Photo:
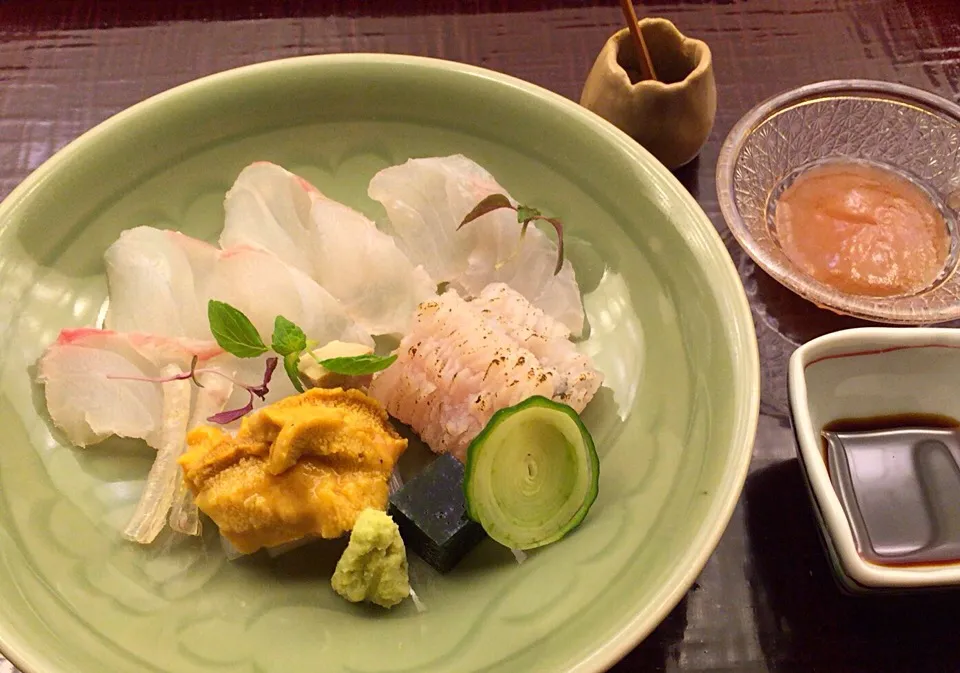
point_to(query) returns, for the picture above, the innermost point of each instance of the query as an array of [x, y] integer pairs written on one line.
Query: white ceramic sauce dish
[[871, 373]]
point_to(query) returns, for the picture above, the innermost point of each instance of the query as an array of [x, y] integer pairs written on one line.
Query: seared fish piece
[[465, 360]]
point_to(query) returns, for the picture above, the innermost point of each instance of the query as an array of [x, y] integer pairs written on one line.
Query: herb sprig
[[358, 365], [260, 391], [234, 331], [237, 335], [289, 341], [223, 417], [525, 215]]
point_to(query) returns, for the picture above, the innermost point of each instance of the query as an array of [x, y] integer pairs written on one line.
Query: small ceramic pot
[[671, 116]]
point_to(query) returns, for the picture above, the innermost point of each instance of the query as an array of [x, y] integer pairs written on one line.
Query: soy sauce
[[892, 422]]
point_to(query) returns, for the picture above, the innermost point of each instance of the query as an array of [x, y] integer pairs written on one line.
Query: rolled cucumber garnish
[[532, 474]]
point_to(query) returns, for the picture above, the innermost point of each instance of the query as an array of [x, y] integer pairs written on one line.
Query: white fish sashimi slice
[[178, 275], [363, 268], [427, 199], [153, 277], [268, 207], [116, 408], [263, 287], [86, 397], [150, 516], [273, 209]]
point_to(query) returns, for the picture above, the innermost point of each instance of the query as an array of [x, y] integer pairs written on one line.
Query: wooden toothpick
[[646, 64]]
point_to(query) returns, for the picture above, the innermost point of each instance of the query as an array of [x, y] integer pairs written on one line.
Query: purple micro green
[[525, 215], [223, 417]]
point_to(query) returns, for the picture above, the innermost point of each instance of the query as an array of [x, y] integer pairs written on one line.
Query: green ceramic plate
[[670, 327]]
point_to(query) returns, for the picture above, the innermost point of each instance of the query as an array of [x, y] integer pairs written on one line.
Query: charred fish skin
[[453, 372], [465, 360]]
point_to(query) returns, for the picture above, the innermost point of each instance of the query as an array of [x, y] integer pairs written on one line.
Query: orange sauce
[[862, 230]]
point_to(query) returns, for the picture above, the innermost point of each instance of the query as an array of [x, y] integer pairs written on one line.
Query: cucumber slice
[[532, 474]]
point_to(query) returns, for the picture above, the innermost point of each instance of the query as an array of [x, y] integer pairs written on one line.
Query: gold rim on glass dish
[[912, 132]]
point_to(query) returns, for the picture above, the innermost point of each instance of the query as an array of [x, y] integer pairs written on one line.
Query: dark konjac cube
[[431, 514]]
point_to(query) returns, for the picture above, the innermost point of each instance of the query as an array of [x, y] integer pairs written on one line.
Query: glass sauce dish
[[910, 134]]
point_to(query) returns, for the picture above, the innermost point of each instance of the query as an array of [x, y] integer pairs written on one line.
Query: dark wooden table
[[766, 600]]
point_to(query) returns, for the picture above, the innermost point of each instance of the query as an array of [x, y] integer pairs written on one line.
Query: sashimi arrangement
[[257, 370]]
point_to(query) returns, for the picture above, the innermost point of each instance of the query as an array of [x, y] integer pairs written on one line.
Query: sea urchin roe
[[304, 466], [862, 229]]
